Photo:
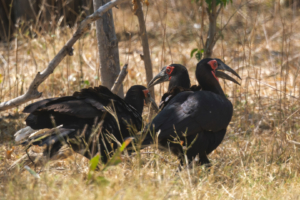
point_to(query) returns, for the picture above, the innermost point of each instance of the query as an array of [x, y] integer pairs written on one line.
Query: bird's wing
[[102, 99], [193, 112], [80, 108], [36, 105], [88, 103], [66, 111], [101, 96]]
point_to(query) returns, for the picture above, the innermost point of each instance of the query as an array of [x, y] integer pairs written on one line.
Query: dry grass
[[258, 158]]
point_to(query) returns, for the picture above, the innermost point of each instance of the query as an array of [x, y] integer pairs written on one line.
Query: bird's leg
[[30, 158], [204, 161]]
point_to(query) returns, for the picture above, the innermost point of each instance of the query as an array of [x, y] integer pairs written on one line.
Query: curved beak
[[161, 77], [151, 102], [223, 67], [223, 75]]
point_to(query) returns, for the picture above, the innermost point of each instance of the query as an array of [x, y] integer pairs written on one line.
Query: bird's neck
[[182, 80], [209, 83], [213, 88], [136, 101]]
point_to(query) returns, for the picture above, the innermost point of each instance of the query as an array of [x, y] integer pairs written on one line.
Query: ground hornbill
[[179, 79], [205, 113], [89, 121]]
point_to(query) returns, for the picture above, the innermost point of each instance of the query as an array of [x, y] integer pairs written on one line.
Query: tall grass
[[259, 157]]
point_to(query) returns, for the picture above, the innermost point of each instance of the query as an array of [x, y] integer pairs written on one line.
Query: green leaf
[[193, 51], [94, 162], [93, 165], [198, 55], [86, 82], [125, 144], [116, 158]]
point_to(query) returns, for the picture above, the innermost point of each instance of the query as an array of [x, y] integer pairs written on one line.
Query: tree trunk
[[32, 92], [210, 41], [108, 48], [143, 33]]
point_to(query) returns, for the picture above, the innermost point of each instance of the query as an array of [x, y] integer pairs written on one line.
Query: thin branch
[[202, 41], [89, 63], [219, 10], [217, 38], [32, 92], [274, 88], [115, 88]]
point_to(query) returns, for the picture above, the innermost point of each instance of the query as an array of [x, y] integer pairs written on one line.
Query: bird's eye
[[169, 70]]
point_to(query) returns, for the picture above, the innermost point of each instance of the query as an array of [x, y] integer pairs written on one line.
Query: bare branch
[[115, 88], [32, 92], [217, 38], [201, 37], [219, 10]]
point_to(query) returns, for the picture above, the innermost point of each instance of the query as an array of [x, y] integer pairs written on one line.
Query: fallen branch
[[115, 88], [32, 92]]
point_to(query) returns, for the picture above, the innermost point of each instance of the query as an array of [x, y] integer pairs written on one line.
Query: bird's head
[[138, 96], [175, 73], [178, 75], [208, 70]]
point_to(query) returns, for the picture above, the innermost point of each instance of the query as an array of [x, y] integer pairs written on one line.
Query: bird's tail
[[23, 133], [54, 139]]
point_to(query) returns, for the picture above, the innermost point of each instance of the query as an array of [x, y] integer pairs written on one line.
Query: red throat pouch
[[215, 75]]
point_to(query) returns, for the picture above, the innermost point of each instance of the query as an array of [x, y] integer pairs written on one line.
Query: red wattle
[[214, 75]]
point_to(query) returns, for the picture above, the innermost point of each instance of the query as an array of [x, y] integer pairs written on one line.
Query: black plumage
[[205, 113], [80, 114]]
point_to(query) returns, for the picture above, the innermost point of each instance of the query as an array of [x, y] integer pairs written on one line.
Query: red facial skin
[[146, 91], [169, 71], [146, 95], [214, 65]]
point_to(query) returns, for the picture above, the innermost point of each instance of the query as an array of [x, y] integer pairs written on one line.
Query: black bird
[[78, 116], [179, 79], [205, 113]]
